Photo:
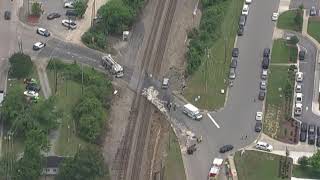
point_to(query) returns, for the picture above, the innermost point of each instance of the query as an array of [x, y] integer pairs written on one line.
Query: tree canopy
[[80, 6], [36, 9], [87, 164], [21, 65], [314, 160]]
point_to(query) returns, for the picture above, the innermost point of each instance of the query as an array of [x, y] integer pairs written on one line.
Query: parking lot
[[306, 3]]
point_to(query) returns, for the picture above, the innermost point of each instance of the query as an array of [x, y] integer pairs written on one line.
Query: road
[[237, 119]]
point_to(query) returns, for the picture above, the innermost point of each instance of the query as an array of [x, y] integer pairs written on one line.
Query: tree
[[298, 19], [80, 7], [314, 160], [87, 164], [36, 9], [21, 65], [303, 161], [293, 40]]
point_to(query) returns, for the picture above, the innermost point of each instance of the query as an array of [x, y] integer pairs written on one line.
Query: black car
[[313, 11], [311, 139], [303, 136], [235, 52], [312, 129], [258, 126], [318, 130], [226, 148], [71, 12], [262, 95], [304, 127], [233, 63], [318, 141], [53, 16], [265, 63], [7, 15], [302, 54], [240, 30], [266, 52], [33, 87]]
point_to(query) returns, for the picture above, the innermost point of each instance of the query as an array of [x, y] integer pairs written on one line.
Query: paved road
[[237, 118]]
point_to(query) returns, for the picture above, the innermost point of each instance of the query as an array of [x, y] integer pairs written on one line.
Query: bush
[[36, 9], [80, 7], [21, 65], [303, 161]]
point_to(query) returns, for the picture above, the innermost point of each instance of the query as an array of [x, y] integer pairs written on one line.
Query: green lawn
[[286, 21], [211, 75], [68, 93], [314, 28], [254, 165], [308, 172], [282, 53], [274, 114], [174, 164]]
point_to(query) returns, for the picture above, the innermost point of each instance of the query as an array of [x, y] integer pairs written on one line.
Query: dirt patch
[[289, 132]]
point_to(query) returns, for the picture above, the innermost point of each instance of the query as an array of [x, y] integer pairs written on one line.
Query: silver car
[[232, 73], [263, 85]]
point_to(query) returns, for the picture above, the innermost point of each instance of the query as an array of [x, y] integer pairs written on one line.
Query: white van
[[192, 111], [264, 146]]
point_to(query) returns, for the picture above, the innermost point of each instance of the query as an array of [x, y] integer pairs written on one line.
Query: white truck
[[110, 64], [1, 97], [215, 168], [192, 111]]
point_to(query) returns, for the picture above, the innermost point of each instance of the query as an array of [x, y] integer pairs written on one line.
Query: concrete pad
[[283, 6]]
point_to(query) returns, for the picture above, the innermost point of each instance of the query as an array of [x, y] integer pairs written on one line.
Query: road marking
[[307, 108], [214, 122]]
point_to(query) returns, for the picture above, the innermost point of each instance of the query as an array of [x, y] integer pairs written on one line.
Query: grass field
[[314, 28], [174, 164], [308, 172], [286, 21], [274, 114], [68, 93], [211, 75], [282, 53], [254, 165]]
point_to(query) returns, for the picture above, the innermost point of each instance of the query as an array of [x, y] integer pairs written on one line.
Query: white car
[[69, 5], [38, 45], [299, 76], [43, 32], [264, 146], [275, 16], [245, 10], [248, 1], [31, 93], [298, 88], [299, 97], [259, 116], [69, 23], [298, 109]]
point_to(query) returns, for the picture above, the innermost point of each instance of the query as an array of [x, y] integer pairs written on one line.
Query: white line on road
[[307, 108], [214, 122]]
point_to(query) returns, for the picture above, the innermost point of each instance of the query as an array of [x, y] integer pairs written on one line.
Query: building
[[51, 165]]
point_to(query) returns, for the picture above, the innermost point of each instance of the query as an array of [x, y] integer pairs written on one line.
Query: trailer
[[110, 64], [192, 111], [215, 168]]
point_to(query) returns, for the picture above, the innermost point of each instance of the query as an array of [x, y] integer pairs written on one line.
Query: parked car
[[38, 45], [299, 97], [69, 23], [318, 130], [264, 74], [235, 52], [71, 12], [53, 16], [263, 85], [240, 30], [232, 73], [303, 132], [259, 116], [248, 1], [258, 126], [313, 11], [262, 95], [242, 20], [298, 109], [298, 88], [226, 148], [264, 146], [69, 4], [245, 10], [33, 87], [7, 15], [275, 16], [318, 141], [1, 97], [299, 76], [311, 139], [43, 32], [233, 63], [265, 63], [266, 52], [165, 83], [302, 54]]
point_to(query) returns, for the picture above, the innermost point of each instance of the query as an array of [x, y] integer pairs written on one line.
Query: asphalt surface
[[306, 3], [236, 121]]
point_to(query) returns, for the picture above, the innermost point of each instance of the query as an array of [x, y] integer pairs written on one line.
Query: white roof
[[41, 29], [262, 143], [214, 170], [217, 161], [299, 95], [38, 43], [191, 107], [298, 105]]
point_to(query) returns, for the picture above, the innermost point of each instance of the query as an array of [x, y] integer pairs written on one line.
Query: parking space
[[54, 25]]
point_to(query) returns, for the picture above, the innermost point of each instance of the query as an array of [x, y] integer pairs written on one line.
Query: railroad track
[[140, 116]]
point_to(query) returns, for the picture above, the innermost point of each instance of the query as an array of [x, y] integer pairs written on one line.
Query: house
[[51, 165]]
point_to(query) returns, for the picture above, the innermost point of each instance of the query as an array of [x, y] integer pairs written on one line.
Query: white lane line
[[214, 122]]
